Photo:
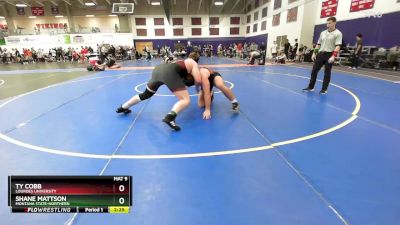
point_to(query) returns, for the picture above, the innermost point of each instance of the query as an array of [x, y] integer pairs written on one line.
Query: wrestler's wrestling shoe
[[235, 106], [169, 119], [123, 110]]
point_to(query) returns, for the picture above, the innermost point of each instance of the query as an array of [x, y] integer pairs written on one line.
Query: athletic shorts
[[167, 74], [212, 77]]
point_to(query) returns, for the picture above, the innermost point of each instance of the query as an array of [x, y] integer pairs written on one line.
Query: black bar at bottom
[[59, 209], [44, 209], [93, 209]]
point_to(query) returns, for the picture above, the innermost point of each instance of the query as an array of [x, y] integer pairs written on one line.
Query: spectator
[[357, 52], [286, 47], [281, 58], [253, 56], [300, 54], [219, 50], [274, 52], [394, 57], [294, 50]]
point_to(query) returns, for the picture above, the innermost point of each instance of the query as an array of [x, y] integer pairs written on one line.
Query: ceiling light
[[2, 17], [90, 4], [59, 16], [21, 5], [155, 3], [32, 17], [89, 15], [112, 15], [218, 2]]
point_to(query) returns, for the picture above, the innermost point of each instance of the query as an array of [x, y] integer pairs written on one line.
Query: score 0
[[121, 187], [122, 184]]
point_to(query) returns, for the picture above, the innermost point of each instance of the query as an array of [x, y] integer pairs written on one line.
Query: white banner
[[39, 41], [12, 40]]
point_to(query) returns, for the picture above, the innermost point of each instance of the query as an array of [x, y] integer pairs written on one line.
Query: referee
[[327, 49]]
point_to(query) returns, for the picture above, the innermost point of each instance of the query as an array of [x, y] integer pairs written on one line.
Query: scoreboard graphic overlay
[[70, 194]]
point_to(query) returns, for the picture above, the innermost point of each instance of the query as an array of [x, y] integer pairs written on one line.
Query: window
[[255, 26], [140, 21], [247, 29], [248, 19], [256, 16], [292, 15], [158, 21], [281, 40], [276, 19], [141, 32], [264, 25], [159, 32], [234, 31], [178, 32], [177, 21], [277, 4], [214, 20], [196, 31], [214, 31], [235, 20], [264, 12], [196, 20]]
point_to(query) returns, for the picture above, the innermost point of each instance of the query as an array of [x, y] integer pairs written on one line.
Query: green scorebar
[[70, 200]]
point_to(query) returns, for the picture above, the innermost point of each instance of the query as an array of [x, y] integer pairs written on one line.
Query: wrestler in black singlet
[[212, 76], [174, 75]]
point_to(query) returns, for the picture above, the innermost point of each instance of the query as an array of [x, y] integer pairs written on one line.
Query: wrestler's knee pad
[[146, 94]]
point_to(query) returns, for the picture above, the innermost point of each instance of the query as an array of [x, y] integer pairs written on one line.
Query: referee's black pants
[[321, 60]]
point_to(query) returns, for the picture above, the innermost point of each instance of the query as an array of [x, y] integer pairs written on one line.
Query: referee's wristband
[[316, 50]]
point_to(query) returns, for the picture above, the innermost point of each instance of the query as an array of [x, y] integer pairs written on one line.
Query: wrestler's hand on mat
[[207, 114], [331, 59]]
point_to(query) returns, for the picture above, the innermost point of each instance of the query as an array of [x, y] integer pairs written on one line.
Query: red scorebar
[[70, 189]]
